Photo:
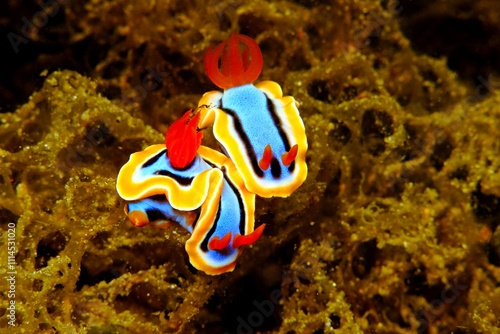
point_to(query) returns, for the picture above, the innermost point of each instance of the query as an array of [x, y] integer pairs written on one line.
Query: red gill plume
[[238, 66]]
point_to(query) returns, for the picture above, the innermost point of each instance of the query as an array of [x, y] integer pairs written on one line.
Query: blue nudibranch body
[[206, 197], [260, 130]]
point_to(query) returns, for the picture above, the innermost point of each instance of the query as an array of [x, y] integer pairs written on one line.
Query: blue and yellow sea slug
[[260, 130], [196, 187]]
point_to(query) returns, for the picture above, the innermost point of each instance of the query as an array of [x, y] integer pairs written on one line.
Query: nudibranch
[[196, 187], [259, 129]]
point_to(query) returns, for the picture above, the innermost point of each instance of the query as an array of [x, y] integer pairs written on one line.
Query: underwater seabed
[[395, 229]]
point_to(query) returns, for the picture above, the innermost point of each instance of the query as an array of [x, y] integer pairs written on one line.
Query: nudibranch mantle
[[149, 173], [207, 198], [260, 130]]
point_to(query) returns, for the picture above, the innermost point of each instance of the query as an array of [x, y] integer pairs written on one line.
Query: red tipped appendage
[[265, 161], [183, 140], [245, 240], [237, 67], [220, 243], [289, 156]]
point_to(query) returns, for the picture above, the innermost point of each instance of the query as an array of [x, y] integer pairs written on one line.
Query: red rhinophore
[[183, 140], [237, 67], [245, 240]]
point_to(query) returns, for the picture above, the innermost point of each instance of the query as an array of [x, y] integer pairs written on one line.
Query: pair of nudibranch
[[211, 194]]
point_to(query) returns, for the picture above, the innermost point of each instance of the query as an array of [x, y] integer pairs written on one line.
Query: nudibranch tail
[[237, 67], [225, 215], [183, 140]]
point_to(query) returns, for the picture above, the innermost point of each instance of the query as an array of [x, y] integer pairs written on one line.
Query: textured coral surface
[[394, 231]]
